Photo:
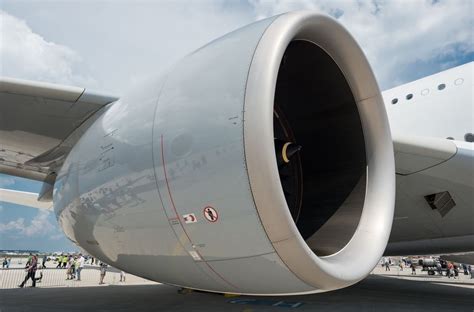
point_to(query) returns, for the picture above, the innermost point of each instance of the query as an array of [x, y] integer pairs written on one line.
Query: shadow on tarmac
[[375, 293]]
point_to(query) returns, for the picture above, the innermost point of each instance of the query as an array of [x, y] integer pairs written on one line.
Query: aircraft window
[[409, 96], [425, 91], [458, 81], [469, 137], [395, 101], [449, 138], [441, 86]]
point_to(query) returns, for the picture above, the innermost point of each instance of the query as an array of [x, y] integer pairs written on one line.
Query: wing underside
[[39, 123]]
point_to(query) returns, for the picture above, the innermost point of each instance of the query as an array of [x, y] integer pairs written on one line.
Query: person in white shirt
[[103, 270], [80, 262]]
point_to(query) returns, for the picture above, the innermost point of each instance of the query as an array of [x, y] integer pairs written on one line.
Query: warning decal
[[210, 214], [189, 218]]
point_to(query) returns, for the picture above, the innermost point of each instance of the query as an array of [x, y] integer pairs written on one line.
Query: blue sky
[[29, 228], [112, 45]]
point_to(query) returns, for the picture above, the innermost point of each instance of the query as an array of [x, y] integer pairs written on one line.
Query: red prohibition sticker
[[210, 214]]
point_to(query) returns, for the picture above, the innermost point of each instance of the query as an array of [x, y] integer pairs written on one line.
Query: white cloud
[[393, 34], [39, 226], [118, 42], [16, 225], [150, 36], [25, 54]]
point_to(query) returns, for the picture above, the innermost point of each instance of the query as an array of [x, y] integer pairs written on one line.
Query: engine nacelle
[[262, 163]]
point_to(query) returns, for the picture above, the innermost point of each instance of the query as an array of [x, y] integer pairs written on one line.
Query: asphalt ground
[[375, 293]]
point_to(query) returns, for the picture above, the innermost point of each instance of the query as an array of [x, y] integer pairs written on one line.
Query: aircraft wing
[[24, 198], [415, 154], [434, 205], [39, 124]]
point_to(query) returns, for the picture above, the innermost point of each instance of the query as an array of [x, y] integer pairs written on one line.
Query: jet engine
[[262, 163]]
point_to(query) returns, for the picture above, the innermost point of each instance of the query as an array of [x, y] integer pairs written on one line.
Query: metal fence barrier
[[52, 277]]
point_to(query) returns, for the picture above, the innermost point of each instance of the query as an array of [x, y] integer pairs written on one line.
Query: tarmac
[[375, 293]]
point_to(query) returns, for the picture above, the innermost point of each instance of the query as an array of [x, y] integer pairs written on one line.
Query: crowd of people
[[453, 269], [72, 263], [6, 263], [442, 267]]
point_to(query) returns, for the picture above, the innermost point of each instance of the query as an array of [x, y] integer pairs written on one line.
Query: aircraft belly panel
[[416, 220]]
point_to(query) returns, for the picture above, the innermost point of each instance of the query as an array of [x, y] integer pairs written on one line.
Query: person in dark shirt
[[31, 267], [45, 258]]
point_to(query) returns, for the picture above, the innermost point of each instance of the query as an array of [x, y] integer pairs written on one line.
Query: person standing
[[103, 270], [455, 270], [122, 276], [74, 266], [31, 267], [450, 270], [68, 270], [59, 259], [5, 263], [439, 268], [464, 268], [413, 268], [80, 266], [73, 260], [64, 261], [45, 258]]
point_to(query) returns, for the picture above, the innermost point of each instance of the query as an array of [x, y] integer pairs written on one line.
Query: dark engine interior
[[324, 182]]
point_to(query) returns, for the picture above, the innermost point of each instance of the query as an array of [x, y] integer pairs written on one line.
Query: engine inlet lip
[[361, 254]]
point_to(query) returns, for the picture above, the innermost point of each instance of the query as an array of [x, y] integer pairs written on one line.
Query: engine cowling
[[261, 163]]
